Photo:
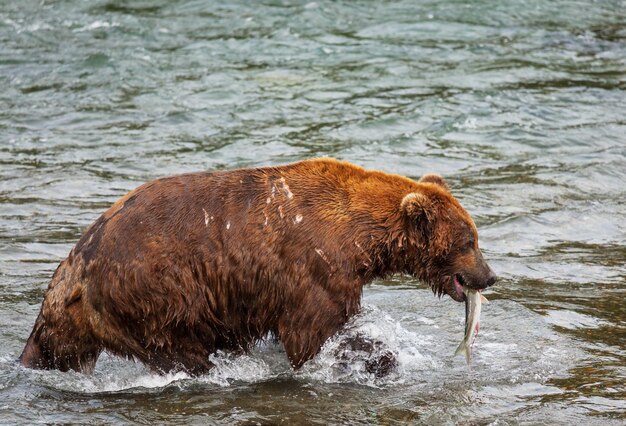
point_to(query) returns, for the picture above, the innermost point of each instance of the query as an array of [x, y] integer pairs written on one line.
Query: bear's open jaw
[[459, 283]]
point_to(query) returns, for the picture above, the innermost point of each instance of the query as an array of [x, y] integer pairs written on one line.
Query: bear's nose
[[491, 278]]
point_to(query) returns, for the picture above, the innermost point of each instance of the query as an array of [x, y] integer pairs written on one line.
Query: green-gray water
[[520, 105]]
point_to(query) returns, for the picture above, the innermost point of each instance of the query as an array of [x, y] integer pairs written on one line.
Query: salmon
[[473, 303]]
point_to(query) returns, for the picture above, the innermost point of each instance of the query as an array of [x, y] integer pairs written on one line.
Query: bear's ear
[[415, 205], [436, 179]]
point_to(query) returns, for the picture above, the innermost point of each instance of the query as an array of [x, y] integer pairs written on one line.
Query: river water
[[520, 105]]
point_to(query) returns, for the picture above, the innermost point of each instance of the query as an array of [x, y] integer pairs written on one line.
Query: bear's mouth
[[459, 283]]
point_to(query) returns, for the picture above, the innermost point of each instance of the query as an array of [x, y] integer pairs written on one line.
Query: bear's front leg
[[309, 321]]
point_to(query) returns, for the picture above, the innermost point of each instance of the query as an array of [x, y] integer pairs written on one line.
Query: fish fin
[[463, 349], [483, 299], [460, 349]]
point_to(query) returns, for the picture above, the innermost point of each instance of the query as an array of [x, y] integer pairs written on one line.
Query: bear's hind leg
[[47, 349], [61, 338]]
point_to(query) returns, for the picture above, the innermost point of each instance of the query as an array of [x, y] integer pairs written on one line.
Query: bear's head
[[445, 241]]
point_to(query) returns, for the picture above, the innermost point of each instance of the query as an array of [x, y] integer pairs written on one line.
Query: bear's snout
[[491, 278], [485, 277]]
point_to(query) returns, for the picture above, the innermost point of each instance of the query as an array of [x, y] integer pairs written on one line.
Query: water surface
[[520, 105]]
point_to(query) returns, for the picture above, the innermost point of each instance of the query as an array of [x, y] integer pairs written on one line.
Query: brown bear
[[187, 265]]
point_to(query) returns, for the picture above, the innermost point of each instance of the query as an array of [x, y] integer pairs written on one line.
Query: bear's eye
[[471, 242]]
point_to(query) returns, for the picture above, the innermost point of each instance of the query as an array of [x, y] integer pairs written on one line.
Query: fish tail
[[465, 350]]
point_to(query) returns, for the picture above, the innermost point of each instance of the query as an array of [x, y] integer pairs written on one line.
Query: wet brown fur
[[186, 265]]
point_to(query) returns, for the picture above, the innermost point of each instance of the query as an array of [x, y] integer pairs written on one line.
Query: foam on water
[[111, 375], [377, 325], [114, 374], [231, 368]]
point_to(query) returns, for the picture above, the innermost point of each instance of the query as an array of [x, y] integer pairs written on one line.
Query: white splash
[[231, 368], [96, 25], [375, 325]]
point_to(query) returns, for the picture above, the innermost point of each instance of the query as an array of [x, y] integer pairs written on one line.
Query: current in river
[[521, 106]]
